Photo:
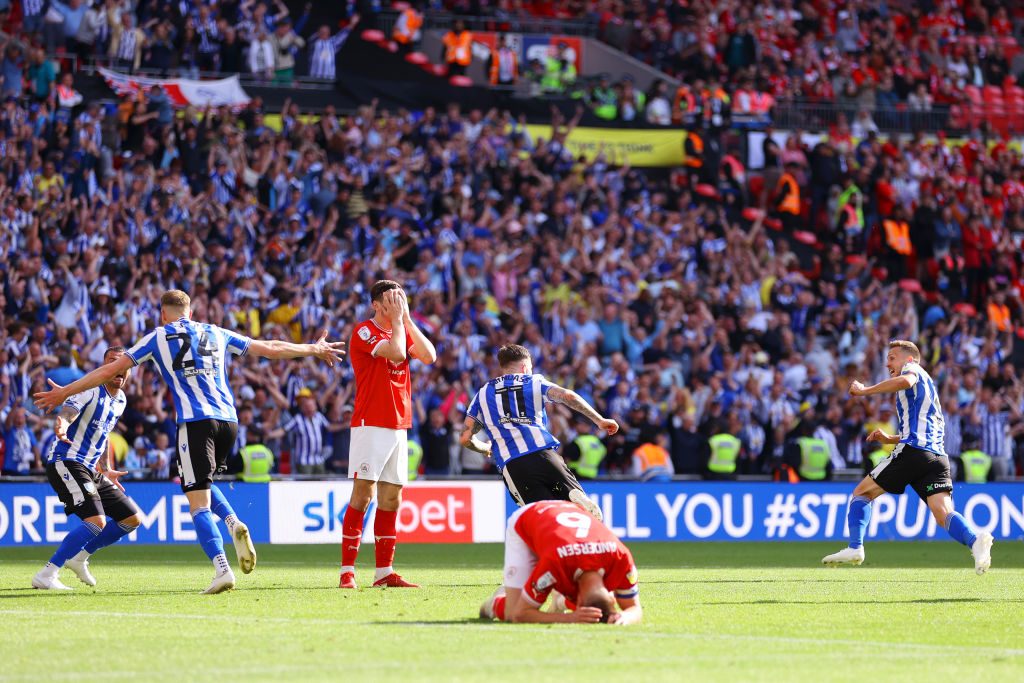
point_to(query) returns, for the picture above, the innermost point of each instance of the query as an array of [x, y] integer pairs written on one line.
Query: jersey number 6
[[575, 520]]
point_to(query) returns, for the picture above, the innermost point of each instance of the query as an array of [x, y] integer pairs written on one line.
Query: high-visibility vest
[[876, 457], [683, 104], [1000, 316], [851, 204], [791, 204], [415, 458], [459, 47], [555, 78], [976, 466], [257, 461], [813, 458], [653, 461], [407, 28], [697, 160], [606, 107], [592, 452], [897, 236], [725, 450], [761, 102], [506, 58]]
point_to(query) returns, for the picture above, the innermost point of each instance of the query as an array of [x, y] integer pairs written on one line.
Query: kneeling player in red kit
[[556, 546]]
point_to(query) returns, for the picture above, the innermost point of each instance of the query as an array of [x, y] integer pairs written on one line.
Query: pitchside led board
[[475, 511]]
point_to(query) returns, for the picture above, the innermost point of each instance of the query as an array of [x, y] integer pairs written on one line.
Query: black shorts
[[87, 493], [541, 475], [203, 450], [925, 471]]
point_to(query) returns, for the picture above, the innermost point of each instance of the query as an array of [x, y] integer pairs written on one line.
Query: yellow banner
[[652, 147]]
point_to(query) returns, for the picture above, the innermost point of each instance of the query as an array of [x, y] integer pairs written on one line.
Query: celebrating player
[[378, 452], [84, 423], [919, 458], [553, 545], [191, 357], [511, 409]]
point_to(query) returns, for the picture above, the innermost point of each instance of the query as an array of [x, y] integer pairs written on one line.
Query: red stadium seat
[[965, 308], [880, 273], [756, 185], [805, 237], [461, 81], [773, 223], [973, 93], [1013, 91], [752, 214], [436, 69], [372, 35], [706, 190], [910, 285], [417, 58], [990, 92]]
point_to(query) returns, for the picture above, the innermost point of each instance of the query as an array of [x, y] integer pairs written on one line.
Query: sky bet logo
[[330, 514]]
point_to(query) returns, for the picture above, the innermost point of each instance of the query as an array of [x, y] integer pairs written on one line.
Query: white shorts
[[519, 559], [379, 454]]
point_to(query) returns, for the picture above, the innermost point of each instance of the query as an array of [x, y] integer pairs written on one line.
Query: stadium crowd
[[687, 315]]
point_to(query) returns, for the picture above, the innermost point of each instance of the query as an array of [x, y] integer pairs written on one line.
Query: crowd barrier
[[475, 511]]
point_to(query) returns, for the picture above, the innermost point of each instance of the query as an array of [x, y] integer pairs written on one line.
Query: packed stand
[[686, 315]]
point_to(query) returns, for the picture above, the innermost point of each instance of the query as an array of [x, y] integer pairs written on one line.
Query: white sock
[[50, 569], [82, 556], [381, 572], [231, 521], [221, 563], [347, 569]]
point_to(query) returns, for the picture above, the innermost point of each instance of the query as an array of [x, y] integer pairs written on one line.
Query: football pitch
[[713, 611]]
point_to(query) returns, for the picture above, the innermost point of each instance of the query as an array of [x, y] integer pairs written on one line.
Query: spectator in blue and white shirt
[[305, 431]]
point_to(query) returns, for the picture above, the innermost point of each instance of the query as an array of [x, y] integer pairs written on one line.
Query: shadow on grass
[[873, 601]]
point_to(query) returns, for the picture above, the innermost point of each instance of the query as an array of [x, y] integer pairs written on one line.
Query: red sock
[[386, 536], [352, 534], [499, 607]]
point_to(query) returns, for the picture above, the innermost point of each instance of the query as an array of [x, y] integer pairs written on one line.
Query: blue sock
[[857, 517], [206, 530], [958, 528], [221, 507], [74, 542], [111, 534]]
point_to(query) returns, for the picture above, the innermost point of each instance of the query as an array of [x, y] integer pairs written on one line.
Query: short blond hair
[[908, 347], [175, 298]]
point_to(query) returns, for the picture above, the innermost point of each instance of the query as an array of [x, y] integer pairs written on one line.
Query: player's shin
[[958, 528], [222, 508], [111, 534], [209, 538], [352, 534], [386, 538], [858, 515], [72, 543]]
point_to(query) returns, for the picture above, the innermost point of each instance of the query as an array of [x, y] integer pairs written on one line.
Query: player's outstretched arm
[[575, 401], [468, 437], [321, 348], [64, 420], [889, 386], [520, 611], [50, 399]]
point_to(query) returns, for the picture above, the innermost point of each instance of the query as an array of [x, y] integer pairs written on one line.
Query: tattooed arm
[[469, 439], [64, 420], [575, 401]]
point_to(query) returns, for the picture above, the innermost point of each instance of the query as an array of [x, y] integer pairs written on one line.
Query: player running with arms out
[[191, 357], [378, 459], [555, 546], [511, 410], [919, 459], [83, 425]]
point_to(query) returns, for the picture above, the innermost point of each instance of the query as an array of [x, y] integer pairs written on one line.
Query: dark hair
[[601, 599], [114, 349], [381, 286], [512, 353]]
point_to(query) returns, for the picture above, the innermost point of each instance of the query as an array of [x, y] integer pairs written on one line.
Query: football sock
[[857, 517], [499, 607], [221, 563], [111, 534], [385, 535], [208, 535], [351, 536], [74, 542], [222, 508], [958, 528]]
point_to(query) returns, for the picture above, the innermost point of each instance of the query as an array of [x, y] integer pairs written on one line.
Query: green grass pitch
[[713, 612]]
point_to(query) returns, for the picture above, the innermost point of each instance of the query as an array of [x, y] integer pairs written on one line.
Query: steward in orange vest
[[787, 197], [458, 49], [407, 29], [504, 64]]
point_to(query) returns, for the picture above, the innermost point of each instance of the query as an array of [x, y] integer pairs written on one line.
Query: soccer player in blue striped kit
[[919, 459], [511, 409], [191, 357]]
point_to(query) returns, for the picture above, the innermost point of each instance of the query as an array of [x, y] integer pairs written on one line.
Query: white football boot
[[48, 582], [585, 502], [81, 570], [221, 582], [244, 548], [854, 556], [982, 552]]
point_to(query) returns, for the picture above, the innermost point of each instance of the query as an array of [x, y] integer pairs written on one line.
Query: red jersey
[[383, 388], [568, 541]]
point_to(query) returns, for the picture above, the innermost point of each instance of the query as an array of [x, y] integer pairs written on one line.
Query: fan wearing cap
[[919, 458], [306, 430]]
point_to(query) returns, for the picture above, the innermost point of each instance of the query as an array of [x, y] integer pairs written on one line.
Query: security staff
[[585, 453], [814, 459], [458, 49], [725, 452], [415, 458], [257, 459]]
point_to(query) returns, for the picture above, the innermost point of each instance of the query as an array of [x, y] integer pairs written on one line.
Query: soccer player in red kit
[[557, 546], [378, 460]]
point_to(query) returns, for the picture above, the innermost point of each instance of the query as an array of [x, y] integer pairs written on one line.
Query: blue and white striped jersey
[[191, 357], [919, 410], [98, 412], [511, 409], [307, 438]]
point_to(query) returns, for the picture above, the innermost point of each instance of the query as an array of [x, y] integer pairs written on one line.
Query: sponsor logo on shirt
[[364, 333]]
